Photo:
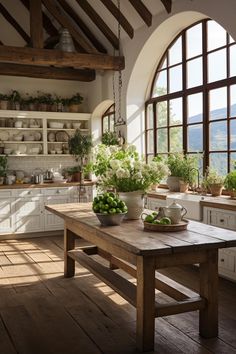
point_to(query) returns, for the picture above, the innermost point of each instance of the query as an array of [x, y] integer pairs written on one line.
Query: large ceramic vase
[[173, 183], [135, 203]]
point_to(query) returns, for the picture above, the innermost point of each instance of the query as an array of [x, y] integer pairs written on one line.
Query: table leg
[[145, 303], [208, 319], [69, 244]]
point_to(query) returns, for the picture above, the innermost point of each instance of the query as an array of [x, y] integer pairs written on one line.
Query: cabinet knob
[[58, 192], [222, 260], [222, 220], [29, 192]]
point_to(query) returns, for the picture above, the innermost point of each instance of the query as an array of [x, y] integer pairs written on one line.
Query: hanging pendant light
[[66, 43]]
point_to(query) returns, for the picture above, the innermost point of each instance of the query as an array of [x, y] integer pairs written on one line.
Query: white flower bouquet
[[121, 168]]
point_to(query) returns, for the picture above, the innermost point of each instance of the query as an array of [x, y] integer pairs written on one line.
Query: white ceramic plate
[[22, 148], [4, 135], [37, 136]]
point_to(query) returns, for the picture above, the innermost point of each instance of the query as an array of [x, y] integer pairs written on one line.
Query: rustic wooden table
[[140, 254]]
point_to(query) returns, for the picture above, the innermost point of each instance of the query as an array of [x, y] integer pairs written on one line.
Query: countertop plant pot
[[216, 189], [173, 183]]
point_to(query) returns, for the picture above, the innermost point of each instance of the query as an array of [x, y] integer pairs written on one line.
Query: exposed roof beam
[[51, 42], [15, 24], [98, 21], [65, 22], [36, 23], [80, 23], [119, 16], [167, 4], [35, 56], [143, 11], [47, 24], [47, 72]]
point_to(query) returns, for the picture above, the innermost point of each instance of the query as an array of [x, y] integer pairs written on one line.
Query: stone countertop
[[45, 185], [222, 202]]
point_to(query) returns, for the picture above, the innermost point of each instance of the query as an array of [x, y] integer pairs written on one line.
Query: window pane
[[149, 116], [194, 72], [195, 107], [150, 146], [112, 118], [218, 161], [176, 111], [160, 86], [233, 60], [233, 134], [218, 103], [149, 158], [217, 65], [195, 138], [194, 41], [105, 124], [175, 78], [218, 136], [162, 140], [233, 101], [163, 65], [175, 52], [161, 109], [176, 139], [216, 35], [232, 161]]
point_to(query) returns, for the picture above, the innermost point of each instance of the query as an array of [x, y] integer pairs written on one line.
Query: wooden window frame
[[107, 114]]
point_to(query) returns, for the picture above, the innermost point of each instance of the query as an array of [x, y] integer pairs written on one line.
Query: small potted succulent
[[215, 182], [230, 183], [3, 168], [74, 103], [80, 147], [4, 101]]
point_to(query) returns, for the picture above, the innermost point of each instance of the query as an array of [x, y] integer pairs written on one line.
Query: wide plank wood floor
[[43, 313]]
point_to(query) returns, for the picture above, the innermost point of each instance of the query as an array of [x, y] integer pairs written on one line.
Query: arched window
[[192, 106], [108, 119]]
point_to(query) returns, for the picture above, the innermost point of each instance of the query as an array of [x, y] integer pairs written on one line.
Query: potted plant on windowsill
[[75, 102], [215, 182], [4, 99], [230, 183], [3, 168], [80, 147]]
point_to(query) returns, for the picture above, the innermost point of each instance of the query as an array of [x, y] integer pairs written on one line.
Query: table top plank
[[131, 236]]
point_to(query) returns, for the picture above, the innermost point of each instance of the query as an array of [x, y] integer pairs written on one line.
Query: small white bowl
[[18, 124], [76, 125], [7, 151], [56, 125]]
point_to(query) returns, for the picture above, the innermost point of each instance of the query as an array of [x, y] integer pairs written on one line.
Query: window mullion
[[184, 101], [206, 137]]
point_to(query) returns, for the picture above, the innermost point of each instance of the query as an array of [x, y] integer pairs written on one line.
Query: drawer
[[223, 219], [56, 191], [226, 261], [29, 193], [6, 193]]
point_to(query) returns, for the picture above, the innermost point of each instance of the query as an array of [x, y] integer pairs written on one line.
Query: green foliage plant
[[76, 99], [230, 181], [80, 146], [183, 166], [3, 166], [110, 138], [212, 177], [4, 97]]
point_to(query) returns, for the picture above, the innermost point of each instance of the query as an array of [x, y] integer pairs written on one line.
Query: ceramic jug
[[175, 212]]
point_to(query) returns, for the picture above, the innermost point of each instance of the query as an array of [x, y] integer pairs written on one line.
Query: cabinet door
[[6, 215], [29, 215], [51, 221]]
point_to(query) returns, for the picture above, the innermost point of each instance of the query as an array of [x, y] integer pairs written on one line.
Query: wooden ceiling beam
[[167, 4], [98, 21], [119, 16], [36, 23], [81, 24], [65, 22], [14, 23], [47, 24], [35, 56], [143, 11], [46, 72]]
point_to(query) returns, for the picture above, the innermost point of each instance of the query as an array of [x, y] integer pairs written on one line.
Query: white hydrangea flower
[[131, 148], [122, 173], [115, 164], [137, 176]]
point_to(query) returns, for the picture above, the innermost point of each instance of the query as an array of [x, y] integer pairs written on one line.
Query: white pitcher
[[175, 212]]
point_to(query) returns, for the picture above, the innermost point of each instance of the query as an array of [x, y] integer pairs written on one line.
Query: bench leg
[[208, 319], [145, 303], [69, 244]]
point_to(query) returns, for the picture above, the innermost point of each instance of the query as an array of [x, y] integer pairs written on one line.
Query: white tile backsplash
[[29, 164]]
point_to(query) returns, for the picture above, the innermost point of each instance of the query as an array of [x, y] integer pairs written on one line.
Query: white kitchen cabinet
[[58, 196], [6, 211], [29, 214], [227, 220]]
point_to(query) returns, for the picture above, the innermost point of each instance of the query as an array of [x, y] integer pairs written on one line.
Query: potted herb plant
[[215, 182], [110, 138], [4, 101], [80, 147], [44, 100], [15, 99], [74, 103], [3, 168], [230, 183]]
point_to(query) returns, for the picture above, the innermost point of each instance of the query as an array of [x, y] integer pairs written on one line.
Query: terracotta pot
[[232, 194], [78, 177], [154, 187], [216, 189], [183, 186], [135, 203], [4, 104], [74, 108], [1, 180], [43, 107], [173, 183]]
